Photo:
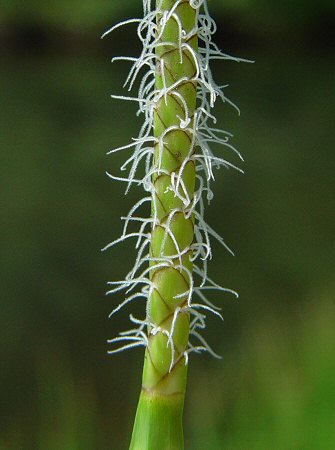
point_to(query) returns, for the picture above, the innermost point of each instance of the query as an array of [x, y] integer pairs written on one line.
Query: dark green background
[[275, 387]]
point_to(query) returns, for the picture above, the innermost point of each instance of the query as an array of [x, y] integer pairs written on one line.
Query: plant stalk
[[158, 422]]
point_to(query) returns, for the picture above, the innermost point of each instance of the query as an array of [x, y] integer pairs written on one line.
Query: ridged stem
[[158, 422]]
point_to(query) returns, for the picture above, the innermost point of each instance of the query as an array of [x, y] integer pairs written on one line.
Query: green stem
[[158, 422]]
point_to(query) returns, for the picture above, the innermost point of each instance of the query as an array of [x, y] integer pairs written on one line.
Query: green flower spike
[[171, 159]]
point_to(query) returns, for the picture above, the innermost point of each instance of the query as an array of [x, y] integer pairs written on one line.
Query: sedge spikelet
[[172, 160]]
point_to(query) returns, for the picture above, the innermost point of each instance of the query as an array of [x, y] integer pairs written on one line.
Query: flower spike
[[172, 159]]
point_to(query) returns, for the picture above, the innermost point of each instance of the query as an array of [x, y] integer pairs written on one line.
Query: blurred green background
[[275, 387]]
